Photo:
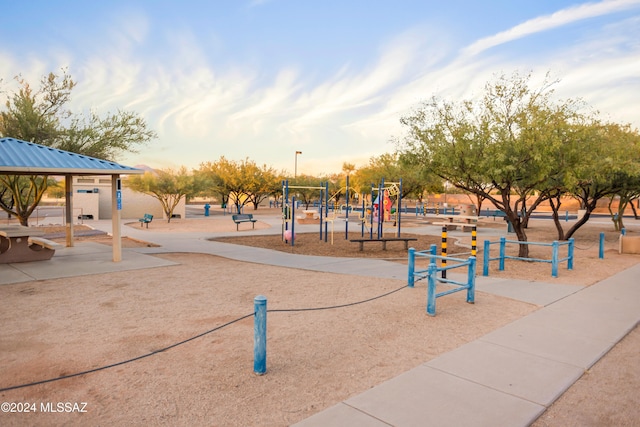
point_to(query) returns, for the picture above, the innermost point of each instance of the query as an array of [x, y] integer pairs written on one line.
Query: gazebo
[[26, 158]]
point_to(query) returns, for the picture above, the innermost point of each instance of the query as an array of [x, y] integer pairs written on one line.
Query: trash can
[[206, 209], [509, 226]]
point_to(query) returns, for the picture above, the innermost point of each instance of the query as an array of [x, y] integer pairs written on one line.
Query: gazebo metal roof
[[26, 158]]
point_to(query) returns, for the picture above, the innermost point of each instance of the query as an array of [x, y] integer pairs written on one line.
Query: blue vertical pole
[[371, 226], [554, 259], [398, 209], [570, 255], [485, 258], [326, 212], [346, 222], [293, 219], [260, 335], [601, 252], [431, 289], [471, 280], [503, 245], [412, 266]]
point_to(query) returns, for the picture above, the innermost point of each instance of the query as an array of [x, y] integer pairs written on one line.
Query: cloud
[[548, 22]]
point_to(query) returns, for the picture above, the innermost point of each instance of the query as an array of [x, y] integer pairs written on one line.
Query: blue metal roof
[[21, 157]]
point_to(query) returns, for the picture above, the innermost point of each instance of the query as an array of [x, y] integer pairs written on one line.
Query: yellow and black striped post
[[474, 241], [443, 251]]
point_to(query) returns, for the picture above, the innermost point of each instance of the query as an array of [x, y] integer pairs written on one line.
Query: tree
[[40, 116], [598, 160], [240, 182], [496, 147], [167, 186]]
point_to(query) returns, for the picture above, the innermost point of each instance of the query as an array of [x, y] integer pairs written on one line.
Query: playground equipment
[[431, 274], [288, 211], [555, 260], [382, 210]]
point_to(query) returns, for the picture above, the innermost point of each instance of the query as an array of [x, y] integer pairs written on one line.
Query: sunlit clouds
[[208, 97]]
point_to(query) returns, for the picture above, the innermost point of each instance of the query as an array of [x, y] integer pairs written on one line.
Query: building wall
[[86, 190]]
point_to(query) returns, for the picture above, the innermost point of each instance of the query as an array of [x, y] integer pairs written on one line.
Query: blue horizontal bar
[[526, 259], [451, 291]]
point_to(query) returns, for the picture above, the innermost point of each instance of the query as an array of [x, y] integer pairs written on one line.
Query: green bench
[[240, 218], [146, 220]]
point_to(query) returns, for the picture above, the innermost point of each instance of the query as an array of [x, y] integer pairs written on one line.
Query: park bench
[[384, 241], [240, 218], [36, 242], [146, 220]]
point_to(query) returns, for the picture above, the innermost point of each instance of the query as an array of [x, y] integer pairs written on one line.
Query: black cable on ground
[[102, 368]]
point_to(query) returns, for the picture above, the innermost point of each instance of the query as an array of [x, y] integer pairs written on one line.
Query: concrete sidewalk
[[508, 377]]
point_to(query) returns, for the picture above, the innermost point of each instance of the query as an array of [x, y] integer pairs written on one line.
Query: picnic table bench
[[146, 220], [384, 241], [240, 218], [24, 244]]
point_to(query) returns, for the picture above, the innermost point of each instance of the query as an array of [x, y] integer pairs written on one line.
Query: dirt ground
[[316, 358]]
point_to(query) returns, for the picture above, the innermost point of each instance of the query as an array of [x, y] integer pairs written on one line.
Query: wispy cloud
[[548, 22]]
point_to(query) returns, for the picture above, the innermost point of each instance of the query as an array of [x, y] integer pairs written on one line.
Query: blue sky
[[262, 79]]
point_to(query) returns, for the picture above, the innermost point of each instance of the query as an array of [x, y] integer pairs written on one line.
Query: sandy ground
[[316, 358]]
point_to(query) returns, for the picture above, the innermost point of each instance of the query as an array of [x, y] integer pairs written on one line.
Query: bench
[[384, 241], [146, 220], [240, 218], [41, 249], [44, 243]]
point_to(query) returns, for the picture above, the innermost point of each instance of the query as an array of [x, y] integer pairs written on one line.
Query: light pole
[[295, 171]]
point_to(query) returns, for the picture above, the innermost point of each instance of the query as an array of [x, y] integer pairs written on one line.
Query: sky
[[264, 79]]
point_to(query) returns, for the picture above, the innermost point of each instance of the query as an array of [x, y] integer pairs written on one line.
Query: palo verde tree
[[241, 182], [495, 147], [40, 115], [597, 161], [167, 186]]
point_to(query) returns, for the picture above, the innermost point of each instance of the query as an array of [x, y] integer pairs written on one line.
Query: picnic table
[[452, 221], [24, 244]]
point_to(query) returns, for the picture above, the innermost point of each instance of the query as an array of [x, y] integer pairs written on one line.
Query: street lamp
[[295, 172]]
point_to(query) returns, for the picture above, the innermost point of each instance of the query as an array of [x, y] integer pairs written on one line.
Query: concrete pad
[[85, 259], [428, 397], [341, 415], [541, 337], [10, 274], [519, 374]]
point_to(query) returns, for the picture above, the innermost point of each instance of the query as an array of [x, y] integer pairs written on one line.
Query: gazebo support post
[[116, 202], [68, 194]]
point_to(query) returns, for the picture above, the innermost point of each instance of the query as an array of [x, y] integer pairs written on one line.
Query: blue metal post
[[431, 289], [485, 258], [601, 252], [412, 266], [570, 256], [471, 280], [346, 221], [503, 245], [554, 259], [260, 335], [293, 219]]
